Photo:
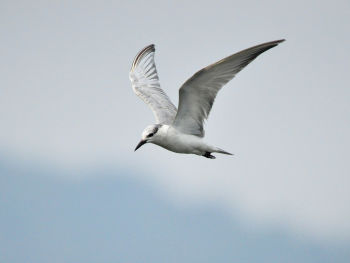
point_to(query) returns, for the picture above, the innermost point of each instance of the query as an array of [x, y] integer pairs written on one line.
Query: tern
[[181, 130]]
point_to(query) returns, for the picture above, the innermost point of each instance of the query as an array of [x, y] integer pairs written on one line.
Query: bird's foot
[[208, 155]]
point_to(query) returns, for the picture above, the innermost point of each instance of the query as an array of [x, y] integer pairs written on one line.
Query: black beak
[[142, 142]]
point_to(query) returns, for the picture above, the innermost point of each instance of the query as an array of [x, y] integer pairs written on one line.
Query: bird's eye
[[150, 135]]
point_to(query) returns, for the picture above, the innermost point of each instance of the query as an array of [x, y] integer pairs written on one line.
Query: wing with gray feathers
[[145, 83], [197, 95]]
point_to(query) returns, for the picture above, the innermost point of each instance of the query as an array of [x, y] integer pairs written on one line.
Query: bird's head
[[149, 135]]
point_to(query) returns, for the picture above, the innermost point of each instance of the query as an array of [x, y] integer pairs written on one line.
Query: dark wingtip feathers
[[143, 52]]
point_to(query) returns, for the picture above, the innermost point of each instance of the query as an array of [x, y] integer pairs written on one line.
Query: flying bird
[[181, 130]]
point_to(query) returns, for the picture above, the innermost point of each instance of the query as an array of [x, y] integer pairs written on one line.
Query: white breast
[[173, 140]]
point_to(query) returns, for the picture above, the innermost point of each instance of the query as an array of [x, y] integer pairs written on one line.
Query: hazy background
[[72, 189]]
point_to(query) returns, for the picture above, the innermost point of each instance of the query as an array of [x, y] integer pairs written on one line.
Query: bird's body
[[173, 140], [181, 130]]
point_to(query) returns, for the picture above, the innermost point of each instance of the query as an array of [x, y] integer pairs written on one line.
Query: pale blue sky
[[46, 217]]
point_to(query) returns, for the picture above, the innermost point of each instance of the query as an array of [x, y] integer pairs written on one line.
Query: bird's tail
[[218, 150]]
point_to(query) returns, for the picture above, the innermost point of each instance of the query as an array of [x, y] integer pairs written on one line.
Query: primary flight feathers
[[145, 83]]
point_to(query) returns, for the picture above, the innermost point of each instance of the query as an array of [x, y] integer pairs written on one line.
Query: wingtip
[[279, 41], [266, 46], [275, 42], [148, 49]]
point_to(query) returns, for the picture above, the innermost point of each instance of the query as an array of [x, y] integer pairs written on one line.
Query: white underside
[[173, 140]]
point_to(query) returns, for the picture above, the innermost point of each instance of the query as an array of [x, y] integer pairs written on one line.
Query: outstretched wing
[[197, 94], [145, 83]]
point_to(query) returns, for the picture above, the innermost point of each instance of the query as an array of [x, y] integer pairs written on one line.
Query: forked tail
[[218, 150]]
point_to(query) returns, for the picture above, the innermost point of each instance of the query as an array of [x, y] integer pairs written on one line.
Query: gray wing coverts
[[145, 83], [197, 94]]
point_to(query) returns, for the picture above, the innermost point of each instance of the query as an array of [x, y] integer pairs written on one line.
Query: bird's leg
[[208, 155]]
